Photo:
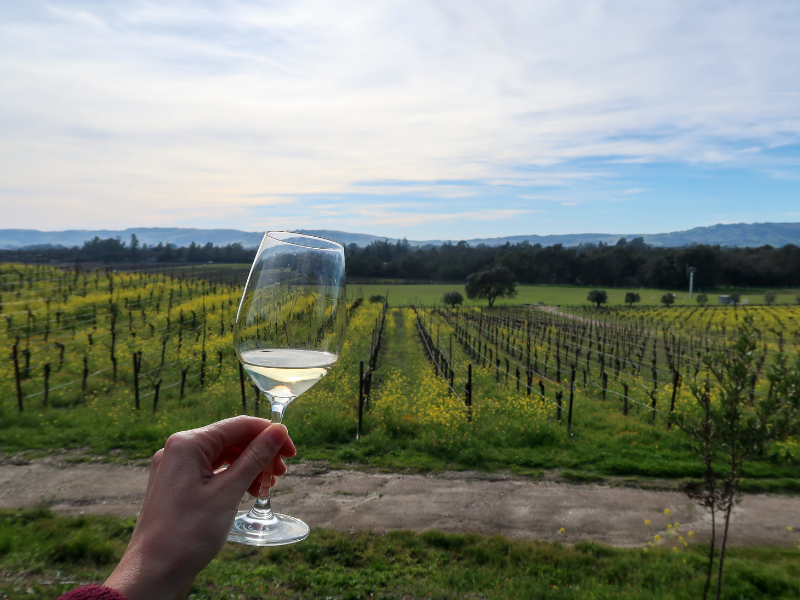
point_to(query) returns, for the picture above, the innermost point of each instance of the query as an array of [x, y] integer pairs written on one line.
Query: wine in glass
[[288, 335]]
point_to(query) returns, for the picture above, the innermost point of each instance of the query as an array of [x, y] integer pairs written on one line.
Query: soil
[[455, 502]]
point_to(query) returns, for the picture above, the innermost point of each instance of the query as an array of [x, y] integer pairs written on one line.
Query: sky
[[432, 119]]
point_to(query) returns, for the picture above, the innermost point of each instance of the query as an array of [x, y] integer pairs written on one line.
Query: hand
[[188, 510]]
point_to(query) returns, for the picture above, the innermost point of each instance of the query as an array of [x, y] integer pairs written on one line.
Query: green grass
[[427, 294], [39, 551]]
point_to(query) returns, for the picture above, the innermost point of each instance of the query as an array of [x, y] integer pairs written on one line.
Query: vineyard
[[111, 363]]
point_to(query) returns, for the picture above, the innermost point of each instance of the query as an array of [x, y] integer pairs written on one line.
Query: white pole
[[691, 283]]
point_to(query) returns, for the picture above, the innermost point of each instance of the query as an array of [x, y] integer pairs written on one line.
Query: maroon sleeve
[[92, 592]]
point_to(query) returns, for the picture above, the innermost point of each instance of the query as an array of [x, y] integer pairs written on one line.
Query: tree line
[[115, 250], [624, 264]]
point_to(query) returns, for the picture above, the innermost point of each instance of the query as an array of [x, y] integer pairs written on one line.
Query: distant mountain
[[740, 234], [17, 238]]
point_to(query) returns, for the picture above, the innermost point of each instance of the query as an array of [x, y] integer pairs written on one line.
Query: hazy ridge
[[739, 234]]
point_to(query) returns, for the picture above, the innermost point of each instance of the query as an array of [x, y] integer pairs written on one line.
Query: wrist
[[139, 577]]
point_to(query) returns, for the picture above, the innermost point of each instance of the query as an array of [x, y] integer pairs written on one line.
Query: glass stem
[[263, 509]]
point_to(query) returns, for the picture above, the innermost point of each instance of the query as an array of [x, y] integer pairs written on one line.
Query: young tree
[[597, 297], [496, 283], [770, 297], [702, 299], [668, 299], [736, 298], [376, 299], [134, 246], [632, 297], [738, 425], [453, 298]]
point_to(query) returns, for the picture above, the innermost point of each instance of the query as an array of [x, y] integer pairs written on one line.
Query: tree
[[738, 425], [632, 297], [453, 298], [495, 283], [702, 299], [134, 245], [376, 299], [797, 298], [668, 299], [736, 298], [770, 297], [598, 297]]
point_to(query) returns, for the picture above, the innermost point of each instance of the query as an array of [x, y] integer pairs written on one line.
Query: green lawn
[[40, 552], [427, 294]]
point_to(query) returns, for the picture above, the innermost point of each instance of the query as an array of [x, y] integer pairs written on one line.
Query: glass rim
[[340, 247]]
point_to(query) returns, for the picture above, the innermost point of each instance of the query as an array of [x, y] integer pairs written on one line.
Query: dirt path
[[451, 502]]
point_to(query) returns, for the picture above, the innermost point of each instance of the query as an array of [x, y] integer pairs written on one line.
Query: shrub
[[632, 297], [597, 297], [453, 298]]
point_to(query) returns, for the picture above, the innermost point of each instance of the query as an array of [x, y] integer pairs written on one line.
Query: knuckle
[[175, 443]]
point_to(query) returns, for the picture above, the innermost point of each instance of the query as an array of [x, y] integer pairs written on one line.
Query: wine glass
[[288, 335]]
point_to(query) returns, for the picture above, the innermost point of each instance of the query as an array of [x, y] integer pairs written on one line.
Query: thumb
[[253, 460]]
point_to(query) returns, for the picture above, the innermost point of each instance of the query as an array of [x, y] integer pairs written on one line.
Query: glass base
[[259, 531]]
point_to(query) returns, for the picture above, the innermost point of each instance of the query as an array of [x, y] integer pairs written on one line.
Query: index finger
[[218, 437]]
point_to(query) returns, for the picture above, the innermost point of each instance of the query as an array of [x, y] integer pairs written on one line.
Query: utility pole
[[691, 271]]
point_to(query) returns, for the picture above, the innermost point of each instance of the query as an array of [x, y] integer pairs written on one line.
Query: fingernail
[[276, 435]]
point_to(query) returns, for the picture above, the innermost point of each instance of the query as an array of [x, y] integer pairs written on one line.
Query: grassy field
[[412, 421], [41, 552], [403, 295]]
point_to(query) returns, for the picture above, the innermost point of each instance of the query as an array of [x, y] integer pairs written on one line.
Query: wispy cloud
[[396, 218]]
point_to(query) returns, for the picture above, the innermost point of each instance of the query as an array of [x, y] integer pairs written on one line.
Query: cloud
[[397, 218], [115, 113]]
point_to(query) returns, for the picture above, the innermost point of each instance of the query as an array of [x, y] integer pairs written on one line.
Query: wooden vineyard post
[[559, 396], [497, 371], [571, 398], [653, 403], [517, 378], [16, 377], [85, 371], [136, 366], [156, 389], [676, 380], [111, 348], [468, 393], [202, 368], [605, 384], [530, 381], [241, 388], [360, 398], [625, 400], [46, 383], [184, 372]]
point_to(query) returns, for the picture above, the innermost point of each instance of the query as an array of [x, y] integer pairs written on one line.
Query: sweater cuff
[[92, 592]]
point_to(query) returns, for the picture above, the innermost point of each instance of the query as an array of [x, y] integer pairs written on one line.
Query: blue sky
[[426, 119]]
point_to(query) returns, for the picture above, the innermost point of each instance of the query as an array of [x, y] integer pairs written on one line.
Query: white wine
[[285, 373]]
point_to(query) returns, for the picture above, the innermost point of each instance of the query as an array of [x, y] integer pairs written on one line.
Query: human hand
[[188, 510]]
